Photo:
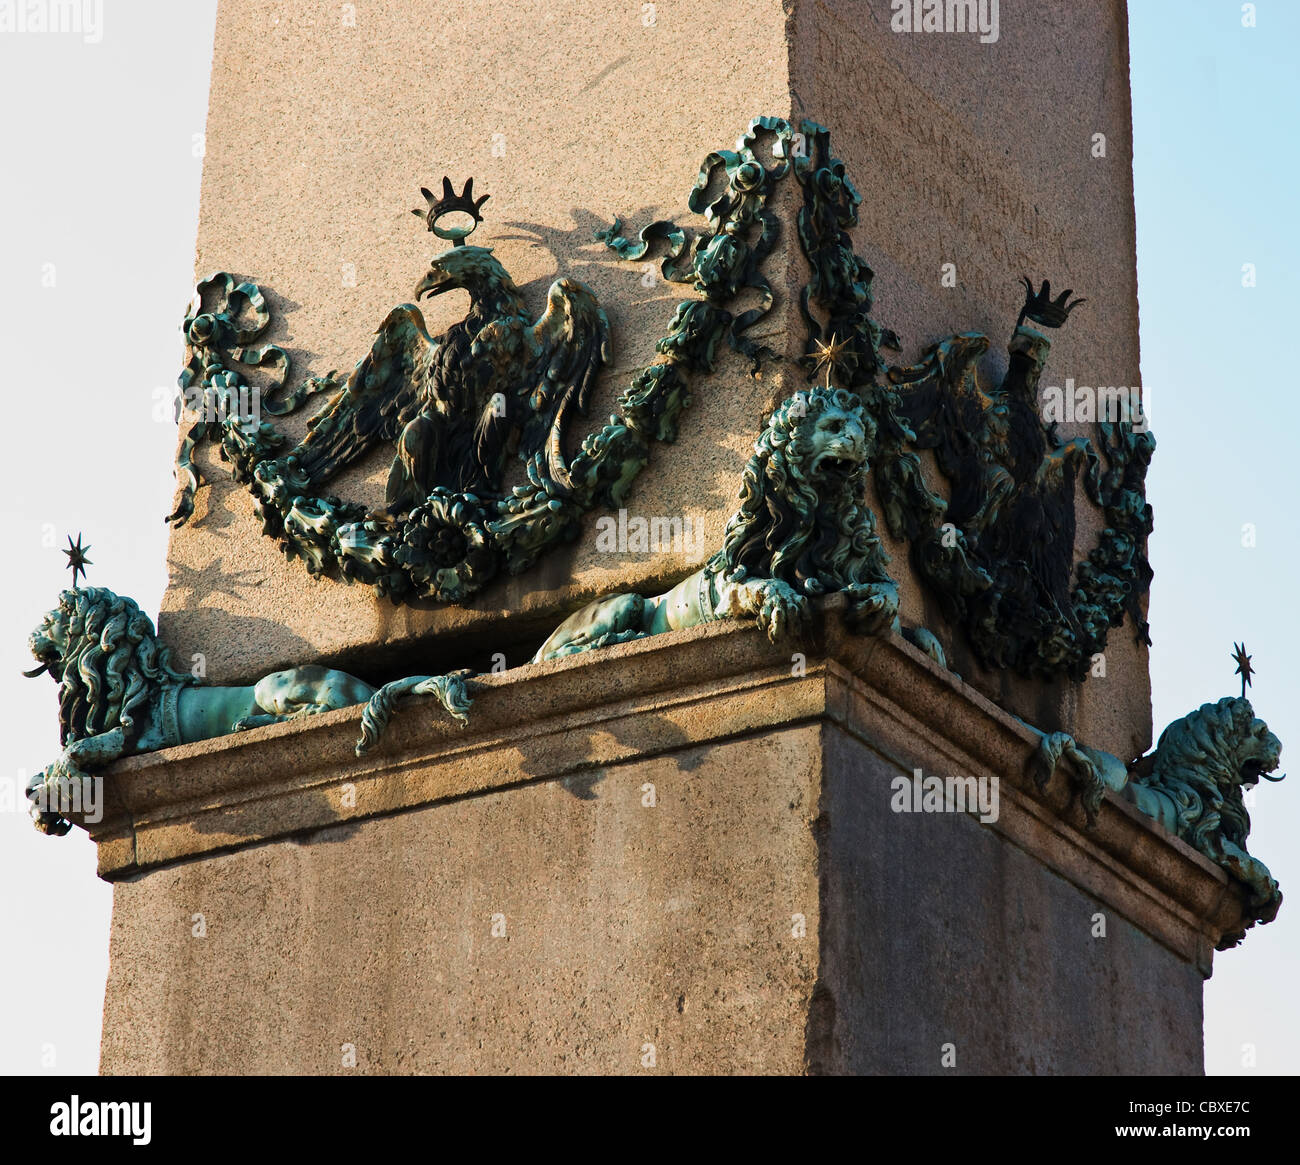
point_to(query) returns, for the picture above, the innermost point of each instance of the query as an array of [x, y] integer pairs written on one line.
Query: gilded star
[[1243, 667], [77, 560], [830, 355]]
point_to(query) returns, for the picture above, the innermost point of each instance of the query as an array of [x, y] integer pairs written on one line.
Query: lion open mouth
[[47, 654], [51, 663], [839, 461], [1255, 768]]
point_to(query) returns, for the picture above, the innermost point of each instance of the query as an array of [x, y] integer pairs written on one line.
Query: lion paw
[[1085, 773], [872, 607], [781, 610], [50, 787]]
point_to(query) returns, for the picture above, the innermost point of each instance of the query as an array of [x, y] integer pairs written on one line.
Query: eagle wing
[[941, 400], [941, 388], [375, 403], [567, 348]]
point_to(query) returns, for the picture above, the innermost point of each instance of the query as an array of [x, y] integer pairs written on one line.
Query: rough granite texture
[[707, 861], [626, 926], [943, 933], [319, 135]]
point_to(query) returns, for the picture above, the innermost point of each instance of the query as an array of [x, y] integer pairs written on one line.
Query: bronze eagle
[[455, 404]]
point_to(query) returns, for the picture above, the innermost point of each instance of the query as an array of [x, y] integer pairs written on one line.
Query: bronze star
[[77, 560], [1243, 667], [830, 355]]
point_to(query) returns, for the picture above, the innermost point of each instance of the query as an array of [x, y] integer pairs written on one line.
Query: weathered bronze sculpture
[[119, 693], [1003, 555], [454, 405], [997, 551], [801, 531], [1191, 784]]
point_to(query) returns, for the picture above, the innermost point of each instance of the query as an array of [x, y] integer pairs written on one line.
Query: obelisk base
[[678, 855]]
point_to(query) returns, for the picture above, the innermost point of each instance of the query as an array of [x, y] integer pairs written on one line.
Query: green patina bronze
[[119, 694], [997, 551], [1000, 553], [453, 406], [1192, 784], [801, 531], [216, 341]]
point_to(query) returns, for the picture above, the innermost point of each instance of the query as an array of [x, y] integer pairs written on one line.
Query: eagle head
[[472, 268]]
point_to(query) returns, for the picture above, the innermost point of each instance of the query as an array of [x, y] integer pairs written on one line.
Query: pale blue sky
[[101, 182], [1215, 111]]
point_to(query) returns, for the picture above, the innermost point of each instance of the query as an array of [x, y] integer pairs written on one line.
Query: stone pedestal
[[685, 842]]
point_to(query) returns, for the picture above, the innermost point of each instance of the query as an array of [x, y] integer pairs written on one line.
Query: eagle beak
[[434, 283]]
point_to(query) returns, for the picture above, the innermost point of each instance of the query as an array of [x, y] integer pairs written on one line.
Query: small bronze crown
[[450, 203], [1042, 308]]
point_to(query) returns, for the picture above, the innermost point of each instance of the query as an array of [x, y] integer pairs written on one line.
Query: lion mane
[[1203, 761], [112, 666], [790, 527]]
